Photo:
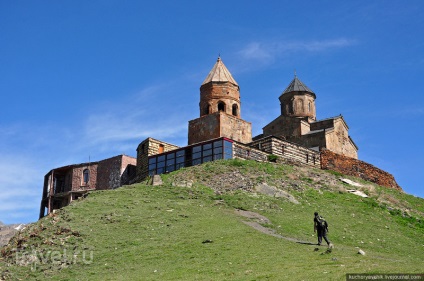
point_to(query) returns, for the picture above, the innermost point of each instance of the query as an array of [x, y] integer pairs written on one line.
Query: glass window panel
[[180, 159], [217, 150], [161, 158], [170, 162], [227, 143], [217, 156], [152, 166], [217, 143], [197, 149], [197, 161], [170, 168], [207, 158], [228, 150], [170, 156], [207, 146], [179, 166], [197, 155], [161, 164], [160, 170], [152, 160], [180, 153], [207, 152]]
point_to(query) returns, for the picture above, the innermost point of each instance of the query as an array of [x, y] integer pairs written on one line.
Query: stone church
[[220, 116], [297, 123], [295, 137]]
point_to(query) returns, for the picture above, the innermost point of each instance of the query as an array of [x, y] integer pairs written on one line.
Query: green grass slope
[[187, 229]]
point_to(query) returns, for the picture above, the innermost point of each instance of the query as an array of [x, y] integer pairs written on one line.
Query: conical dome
[[297, 86], [219, 73], [298, 100]]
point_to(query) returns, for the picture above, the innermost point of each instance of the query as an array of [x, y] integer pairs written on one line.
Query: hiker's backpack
[[322, 223]]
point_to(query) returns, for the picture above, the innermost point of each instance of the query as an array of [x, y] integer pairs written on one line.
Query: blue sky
[[92, 79]]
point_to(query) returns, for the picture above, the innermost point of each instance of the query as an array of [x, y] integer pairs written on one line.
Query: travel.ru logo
[[61, 258]]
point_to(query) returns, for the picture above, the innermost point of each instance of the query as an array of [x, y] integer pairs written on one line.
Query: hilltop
[[224, 220]]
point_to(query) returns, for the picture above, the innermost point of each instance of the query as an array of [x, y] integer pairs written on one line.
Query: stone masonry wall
[[213, 93], [354, 167], [235, 128], [147, 148], [217, 125], [128, 169], [77, 177], [288, 151], [110, 171], [338, 140], [250, 153], [204, 128], [283, 126]]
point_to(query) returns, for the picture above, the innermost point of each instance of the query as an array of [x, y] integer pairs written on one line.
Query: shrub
[[272, 158]]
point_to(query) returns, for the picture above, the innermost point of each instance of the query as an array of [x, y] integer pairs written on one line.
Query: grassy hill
[[189, 229]]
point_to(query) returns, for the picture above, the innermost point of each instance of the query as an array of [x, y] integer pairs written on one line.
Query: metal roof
[[219, 73], [297, 86]]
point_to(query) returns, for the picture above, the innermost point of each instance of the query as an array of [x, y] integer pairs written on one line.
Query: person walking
[[321, 227]]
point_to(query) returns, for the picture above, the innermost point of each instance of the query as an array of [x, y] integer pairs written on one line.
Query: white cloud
[[135, 118], [256, 50], [21, 187], [268, 51]]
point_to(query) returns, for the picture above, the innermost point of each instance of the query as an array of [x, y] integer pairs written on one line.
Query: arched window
[[235, 110], [221, 106], [85, 176], [290, 105], [299, 107]]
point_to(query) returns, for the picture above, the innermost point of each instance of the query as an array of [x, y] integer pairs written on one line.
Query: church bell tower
[[298, 100], [219, 109]]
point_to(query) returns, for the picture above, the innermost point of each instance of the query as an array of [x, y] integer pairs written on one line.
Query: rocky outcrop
[[8, 231]]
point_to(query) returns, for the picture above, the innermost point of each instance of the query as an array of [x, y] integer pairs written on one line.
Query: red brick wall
[[111, 170], [354, 167], [77, 177]]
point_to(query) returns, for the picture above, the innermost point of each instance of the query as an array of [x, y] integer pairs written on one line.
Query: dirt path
[[256, 220]]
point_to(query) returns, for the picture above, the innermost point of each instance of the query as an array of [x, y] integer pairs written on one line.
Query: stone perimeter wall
[[288, 151], [249, 153], [357, 168]]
